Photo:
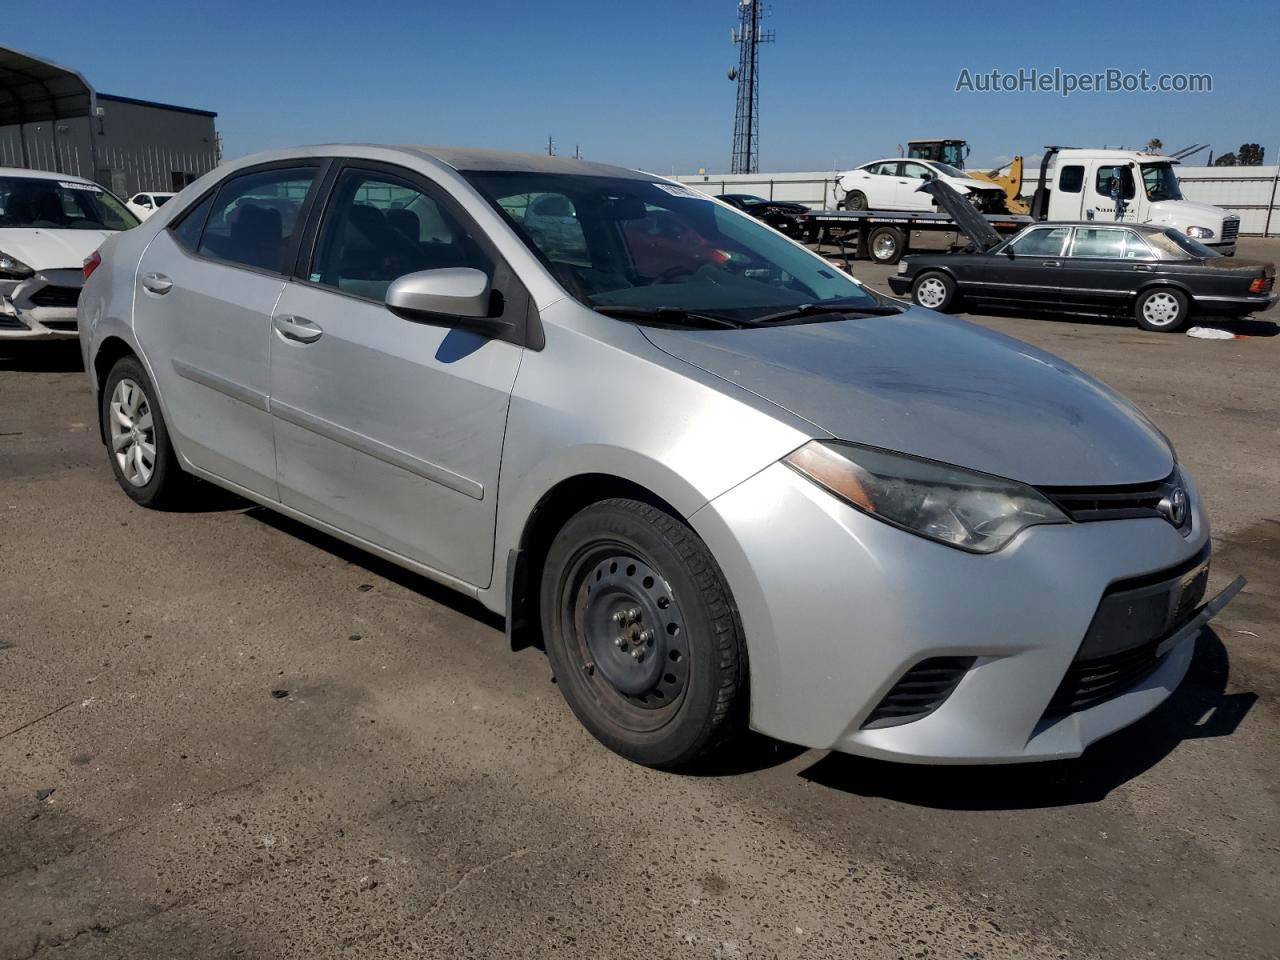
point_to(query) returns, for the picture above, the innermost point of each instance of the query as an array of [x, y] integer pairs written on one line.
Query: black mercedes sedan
[[782, 215], [1157, 275]]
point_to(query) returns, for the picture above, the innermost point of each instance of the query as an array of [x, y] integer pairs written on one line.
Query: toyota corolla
[[719, 480]]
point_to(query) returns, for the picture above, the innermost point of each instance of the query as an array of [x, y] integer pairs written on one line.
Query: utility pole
[[746, 122], [551, 147]]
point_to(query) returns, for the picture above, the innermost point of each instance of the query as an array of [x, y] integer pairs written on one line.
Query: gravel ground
[[222, 734]]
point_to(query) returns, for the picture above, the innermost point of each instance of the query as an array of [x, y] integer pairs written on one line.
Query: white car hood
[[1188, 213], [44, 249]]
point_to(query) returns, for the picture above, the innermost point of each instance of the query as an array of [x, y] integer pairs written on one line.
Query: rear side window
[[254, 217], [1071, 179], [1104, 242], [378, 228], [188, 229]]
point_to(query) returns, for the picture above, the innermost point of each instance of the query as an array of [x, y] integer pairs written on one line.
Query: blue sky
[[644, 84]]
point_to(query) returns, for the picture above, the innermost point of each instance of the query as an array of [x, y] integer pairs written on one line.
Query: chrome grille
[[1230, 228], [1118, 502]]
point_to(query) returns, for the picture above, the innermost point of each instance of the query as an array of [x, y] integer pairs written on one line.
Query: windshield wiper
[[819, 309], [671, 315]]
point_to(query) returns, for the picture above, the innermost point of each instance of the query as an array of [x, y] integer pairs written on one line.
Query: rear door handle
[[298, 329], [156, 283], [1143, 267], [1053, 263]]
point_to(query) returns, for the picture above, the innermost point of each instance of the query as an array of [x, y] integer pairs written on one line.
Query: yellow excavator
[[954, 152]]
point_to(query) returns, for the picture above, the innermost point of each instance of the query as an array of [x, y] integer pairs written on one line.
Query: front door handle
[[298, 329], [156, 283]]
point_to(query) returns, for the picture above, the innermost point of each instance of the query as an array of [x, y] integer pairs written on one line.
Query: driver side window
[[1041, 242], [379, 228]]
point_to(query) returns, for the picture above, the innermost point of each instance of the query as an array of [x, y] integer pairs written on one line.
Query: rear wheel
[[886, 245], [1162, 310], [643, 635], [142, 456], [934, 290], [855, 200]]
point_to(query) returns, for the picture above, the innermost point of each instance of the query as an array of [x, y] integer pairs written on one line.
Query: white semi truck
[[1126, 185]]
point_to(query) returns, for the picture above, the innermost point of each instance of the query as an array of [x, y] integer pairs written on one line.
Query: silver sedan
[[720, 482]]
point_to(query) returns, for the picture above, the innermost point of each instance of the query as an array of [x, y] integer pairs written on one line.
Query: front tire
[[935, 290], [643, 635], [1162, 310], [138, 445]]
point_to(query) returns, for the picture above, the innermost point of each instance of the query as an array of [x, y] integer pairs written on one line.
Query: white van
[[1080, 184]]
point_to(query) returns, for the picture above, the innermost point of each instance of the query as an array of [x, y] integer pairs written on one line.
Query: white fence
[[1249, 192]]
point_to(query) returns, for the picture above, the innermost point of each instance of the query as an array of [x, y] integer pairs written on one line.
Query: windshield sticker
[[73, 185], [678, 191]]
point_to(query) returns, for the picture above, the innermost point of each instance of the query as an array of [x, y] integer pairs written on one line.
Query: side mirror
[[1008, 252], [926, 177], [450, 297]]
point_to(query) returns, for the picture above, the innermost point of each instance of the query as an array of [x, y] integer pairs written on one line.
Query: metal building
[[52, 119]]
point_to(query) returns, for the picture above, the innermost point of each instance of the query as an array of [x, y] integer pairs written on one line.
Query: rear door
[[1103, 267], [206, 289], [388, 429]]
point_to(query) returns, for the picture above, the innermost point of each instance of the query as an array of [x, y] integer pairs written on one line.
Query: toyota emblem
[[1174, 506]]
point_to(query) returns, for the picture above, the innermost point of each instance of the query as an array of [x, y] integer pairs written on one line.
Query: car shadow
[[1242, 326], [1200, 708], [41, 356], [375, 565]]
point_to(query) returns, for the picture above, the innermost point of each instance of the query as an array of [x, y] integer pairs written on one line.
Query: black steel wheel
[[855, 200], [642, 634]]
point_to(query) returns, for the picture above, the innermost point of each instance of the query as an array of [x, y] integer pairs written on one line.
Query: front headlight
[[1200, 233], [961, 508], [11, 268]]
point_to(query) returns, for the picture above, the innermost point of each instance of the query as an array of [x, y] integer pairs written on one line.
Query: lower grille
[[919, 692], [52, 296], [61, 325], [1230, 228], [1091, 682], [11, 323], [1121, 646]]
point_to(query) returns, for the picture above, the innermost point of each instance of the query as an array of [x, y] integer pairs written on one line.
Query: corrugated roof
[[34, 90]]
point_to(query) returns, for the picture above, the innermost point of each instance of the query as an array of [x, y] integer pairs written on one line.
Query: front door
[[912, 177], [1027, 271], [1113, 193], [206, 289], [387, 429]]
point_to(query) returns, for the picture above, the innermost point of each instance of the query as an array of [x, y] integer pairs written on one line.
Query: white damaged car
[[50, 223], [894, 184]]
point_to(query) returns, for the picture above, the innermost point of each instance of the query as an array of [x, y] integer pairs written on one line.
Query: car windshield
[[160, 198], [1178, 244], [948, 170], [632, 243], [1160, 182], [60, 205]]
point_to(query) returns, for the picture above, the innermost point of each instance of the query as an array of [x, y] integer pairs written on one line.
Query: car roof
[[1140, 227], [459, 158], [41, 174]]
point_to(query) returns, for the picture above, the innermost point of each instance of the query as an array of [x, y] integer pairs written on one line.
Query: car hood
[[43, 249], [1189, 213], [966, 216], [940, 388]]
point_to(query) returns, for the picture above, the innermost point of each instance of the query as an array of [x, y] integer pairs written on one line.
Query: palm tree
[[1155, 145]]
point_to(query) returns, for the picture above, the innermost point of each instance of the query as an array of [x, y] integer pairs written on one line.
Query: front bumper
[[837, 607], [41, 307], [900, 283]]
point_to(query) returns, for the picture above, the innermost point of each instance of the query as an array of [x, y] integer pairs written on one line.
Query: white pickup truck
[[1080, 184]]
